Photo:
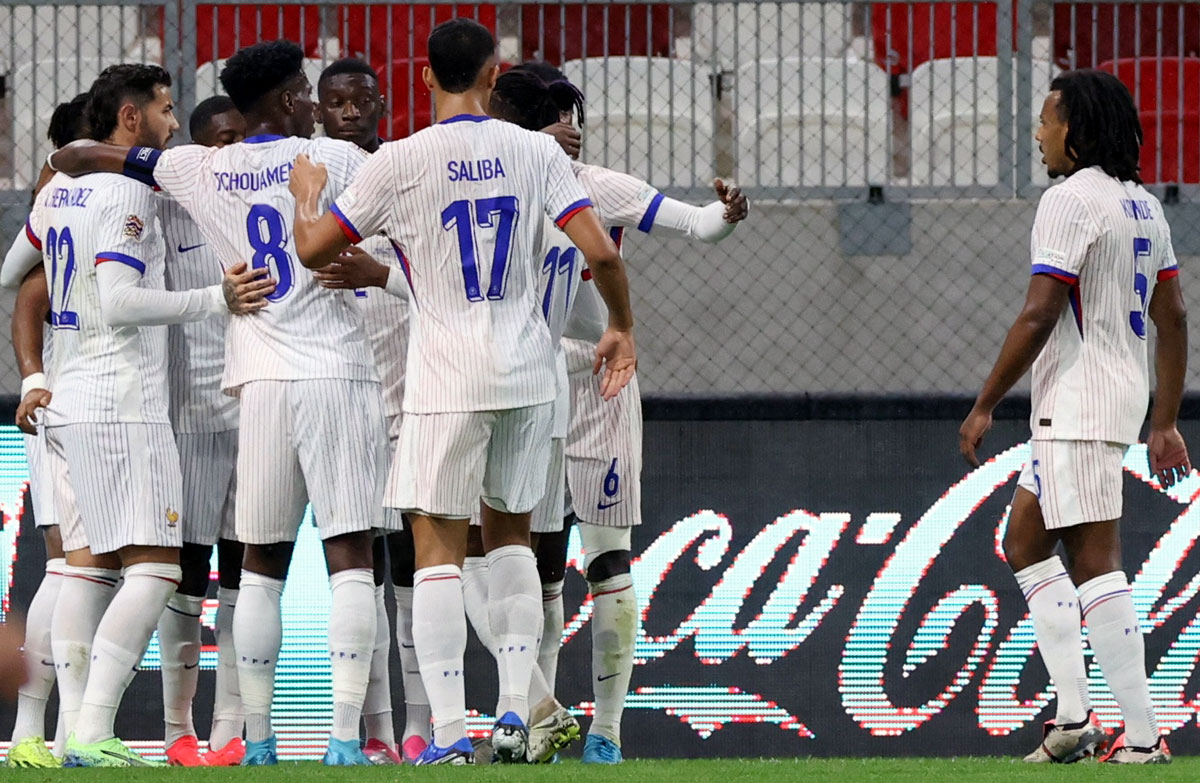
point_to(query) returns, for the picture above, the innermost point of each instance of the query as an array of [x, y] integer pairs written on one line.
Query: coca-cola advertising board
[[823, 587]]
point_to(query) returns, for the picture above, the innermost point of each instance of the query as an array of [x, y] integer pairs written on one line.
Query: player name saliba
[[475, 170]]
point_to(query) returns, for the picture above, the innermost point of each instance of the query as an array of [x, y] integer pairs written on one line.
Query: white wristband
[[31, 382]]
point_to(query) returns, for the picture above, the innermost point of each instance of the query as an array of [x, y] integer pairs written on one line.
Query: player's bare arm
[[354, 268], [29, 314], [1044, 303], [319, 239], [1168, 453], [86, 157], [616, 351], [246, 290]]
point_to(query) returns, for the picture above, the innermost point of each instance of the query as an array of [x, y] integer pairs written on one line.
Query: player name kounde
[[874, 656]]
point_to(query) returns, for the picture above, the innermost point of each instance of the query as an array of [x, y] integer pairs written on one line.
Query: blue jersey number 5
[[1141, 285], [501, 213]]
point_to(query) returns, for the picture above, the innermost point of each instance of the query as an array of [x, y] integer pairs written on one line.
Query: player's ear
[[288, 100], [427, 77], [129, 117], [493, 76]]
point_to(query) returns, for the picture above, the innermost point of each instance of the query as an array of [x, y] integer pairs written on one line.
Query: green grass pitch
[[970, 770]]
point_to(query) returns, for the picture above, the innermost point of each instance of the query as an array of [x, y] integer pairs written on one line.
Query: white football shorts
[[1075, 481], [208, 461]]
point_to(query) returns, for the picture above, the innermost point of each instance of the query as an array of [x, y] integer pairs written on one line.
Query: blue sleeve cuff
[[571, 211], [651, 213], [1055, 272], [129, 261], [347, 227]]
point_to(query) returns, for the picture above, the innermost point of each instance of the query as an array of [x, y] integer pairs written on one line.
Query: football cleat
[[510, 740], [261, 754], [380, 753], [345, 753], [185, 752], [32, 753], [1069, 742], [229, 756], [412, 748], [109, 753], [1121, 753], [551, 734], [458, 754], [601, 750]]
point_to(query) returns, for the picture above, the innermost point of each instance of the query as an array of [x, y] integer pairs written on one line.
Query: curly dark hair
[[522, 98], [69, 121], [1103, 128], [257, 70], [116, 85], [567, 97]]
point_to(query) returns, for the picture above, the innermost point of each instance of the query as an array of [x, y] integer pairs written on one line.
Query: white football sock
[[82, 600], [440, 633], [120, 642], [39, 657], [377, 706], [614, 628], [416, 703], [475, 600], [179, 641], [1054, 607], [515, 611], [1116, 639], [258, 635], [227, 701], [351, 640], [552, 630]]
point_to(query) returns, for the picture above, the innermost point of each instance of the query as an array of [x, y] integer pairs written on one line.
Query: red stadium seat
[[1166, 118], [1086, 34], [364, 31], [556, 33], [936, 30], [222, 30]]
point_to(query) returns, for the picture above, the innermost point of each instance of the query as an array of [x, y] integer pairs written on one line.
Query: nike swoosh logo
[[129, 760], [602, 505], [606, 677], [47, 663], [193, 666], [183, 249]]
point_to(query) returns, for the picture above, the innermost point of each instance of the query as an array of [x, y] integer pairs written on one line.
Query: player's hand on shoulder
[[27, 410], [245, 289], [307, 179], [737, 206], [567, 136], [970, 434], [354, 268], [1169, 460], [616, 355]]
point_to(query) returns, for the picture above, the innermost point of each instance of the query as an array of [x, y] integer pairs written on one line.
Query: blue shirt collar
[[465, 118], [262, 138]]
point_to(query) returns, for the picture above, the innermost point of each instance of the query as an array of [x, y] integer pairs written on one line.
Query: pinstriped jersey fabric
[[463, 202], [386, 319], [1110, 241], [239, 196], [196, 355], [101, 374]]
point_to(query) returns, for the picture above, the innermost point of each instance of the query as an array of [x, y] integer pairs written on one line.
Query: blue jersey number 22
[[499, 212]]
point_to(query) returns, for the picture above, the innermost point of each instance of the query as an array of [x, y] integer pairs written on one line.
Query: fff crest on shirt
[[134, 227]]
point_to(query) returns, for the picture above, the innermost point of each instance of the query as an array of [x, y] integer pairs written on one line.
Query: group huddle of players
[[429, 341]]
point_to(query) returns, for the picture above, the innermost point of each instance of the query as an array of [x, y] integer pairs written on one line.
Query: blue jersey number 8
[[269, 244]]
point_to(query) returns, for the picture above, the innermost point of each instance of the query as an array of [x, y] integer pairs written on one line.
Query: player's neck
[[452, 104], [123, 138], [265, 126]]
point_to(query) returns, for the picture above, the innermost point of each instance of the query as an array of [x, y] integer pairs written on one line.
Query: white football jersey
[[386, 318], [196, 350], [1110, 241], [463, 202], [101, 374], [239, 196]]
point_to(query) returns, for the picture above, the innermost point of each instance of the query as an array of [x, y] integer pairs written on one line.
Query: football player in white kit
[[311, 420], [462, 200], [1102, 264], [32, 345], [603, 444], [205, 424], [350, 107], [108, 418]]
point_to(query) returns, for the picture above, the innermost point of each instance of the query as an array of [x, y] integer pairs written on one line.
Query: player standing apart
[[23, 270], [1102, 264], [463, 201], [205, 425]]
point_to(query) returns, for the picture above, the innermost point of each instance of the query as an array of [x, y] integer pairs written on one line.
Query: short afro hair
[[116, 85], [69, 121], [344, 66], [458, 50], [204, 112], [255, 71]]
